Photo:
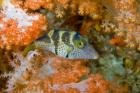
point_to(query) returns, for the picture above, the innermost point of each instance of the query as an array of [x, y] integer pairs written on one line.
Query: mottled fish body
[[68, 44]]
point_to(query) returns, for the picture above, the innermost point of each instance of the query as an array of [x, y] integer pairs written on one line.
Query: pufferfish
[[67, 44]]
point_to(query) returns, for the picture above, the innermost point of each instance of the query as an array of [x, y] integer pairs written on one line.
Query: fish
[[67, 44]]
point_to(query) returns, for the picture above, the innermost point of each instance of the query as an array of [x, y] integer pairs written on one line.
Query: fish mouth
[[91, 53]]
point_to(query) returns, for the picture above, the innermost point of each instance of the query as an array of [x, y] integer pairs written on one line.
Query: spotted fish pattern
[[68, 44]]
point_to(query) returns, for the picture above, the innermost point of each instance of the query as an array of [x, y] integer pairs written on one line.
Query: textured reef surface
[[110, 27]]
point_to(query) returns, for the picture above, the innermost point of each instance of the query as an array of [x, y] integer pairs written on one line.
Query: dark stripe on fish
[[66, 37], [55, 38], [44, 38], [76, 36]]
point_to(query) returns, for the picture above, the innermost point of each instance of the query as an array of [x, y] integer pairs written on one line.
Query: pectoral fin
[[28, 48]]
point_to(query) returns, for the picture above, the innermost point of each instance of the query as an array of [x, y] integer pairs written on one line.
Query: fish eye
[[80, 44]]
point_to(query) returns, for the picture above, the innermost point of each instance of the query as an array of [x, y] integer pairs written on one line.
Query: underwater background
[[112, 28]]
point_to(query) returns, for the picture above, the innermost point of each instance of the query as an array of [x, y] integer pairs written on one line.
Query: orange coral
[[127, 17], [83, 7], [94, 84], [122, 17], [68, 79], [97, 84], [68, 71], [14, 32], [34, 4], [117, 41], [11, 35], [85, 26], [59, 75]]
